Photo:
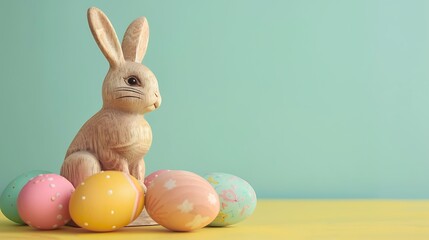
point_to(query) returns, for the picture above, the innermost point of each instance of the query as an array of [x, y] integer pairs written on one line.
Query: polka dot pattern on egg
[[43, 206], [107, 201]]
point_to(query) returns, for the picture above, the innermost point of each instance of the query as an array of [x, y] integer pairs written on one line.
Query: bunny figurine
[[118, 136]]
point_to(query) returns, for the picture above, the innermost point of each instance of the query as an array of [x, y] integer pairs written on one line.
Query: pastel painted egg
[[10, 195], [43, 201], [148, 180], [107, 201], [237, 198], [181, 201]]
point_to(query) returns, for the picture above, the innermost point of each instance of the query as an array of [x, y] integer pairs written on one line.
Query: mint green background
[[304, 99]]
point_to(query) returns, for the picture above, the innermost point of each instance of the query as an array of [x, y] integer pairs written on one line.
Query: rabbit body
[[118, 136], [117, 140]]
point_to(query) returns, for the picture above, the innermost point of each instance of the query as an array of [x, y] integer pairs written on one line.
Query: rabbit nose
[[158, 99]]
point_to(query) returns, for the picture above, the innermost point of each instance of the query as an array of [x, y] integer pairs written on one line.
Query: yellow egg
[[107, 201], [182, 201]]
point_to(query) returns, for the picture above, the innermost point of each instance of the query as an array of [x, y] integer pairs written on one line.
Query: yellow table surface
[[278, 219]]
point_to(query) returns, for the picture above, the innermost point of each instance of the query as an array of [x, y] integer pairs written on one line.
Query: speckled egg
[[43, 201], [107, 201], [10, 195], [148, 180], [181, 201], [237, 198]]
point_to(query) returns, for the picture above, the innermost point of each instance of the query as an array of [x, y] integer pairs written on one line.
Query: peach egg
[[107, 201], [181, 201]]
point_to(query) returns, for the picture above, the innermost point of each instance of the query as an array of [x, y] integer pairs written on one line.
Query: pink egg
[[43, 202], [182, 201], [148, 180]]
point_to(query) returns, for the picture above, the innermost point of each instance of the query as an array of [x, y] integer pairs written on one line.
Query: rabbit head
[[129, 85]]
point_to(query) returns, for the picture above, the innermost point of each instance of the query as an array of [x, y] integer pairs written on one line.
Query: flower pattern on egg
[[212, 198], [197, 222], [170, 184], [212, 180], [229, 195], [221, 217], [186, 206]]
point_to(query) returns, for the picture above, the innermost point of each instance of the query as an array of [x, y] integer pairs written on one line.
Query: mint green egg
[[10, 195], [236, 196]]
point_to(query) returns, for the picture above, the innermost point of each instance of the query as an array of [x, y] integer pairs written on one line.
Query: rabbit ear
[[105, 36], [135, 40]]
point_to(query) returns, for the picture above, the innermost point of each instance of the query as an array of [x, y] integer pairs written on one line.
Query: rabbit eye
[[132, 81]]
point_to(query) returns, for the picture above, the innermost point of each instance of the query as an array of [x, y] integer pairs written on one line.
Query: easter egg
[[107, 201], [181, 201], [237, 198], [43, 201], [10, 194], [148, 180]]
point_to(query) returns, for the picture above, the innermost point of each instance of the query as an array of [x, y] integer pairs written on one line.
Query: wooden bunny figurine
[[118, 136]]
